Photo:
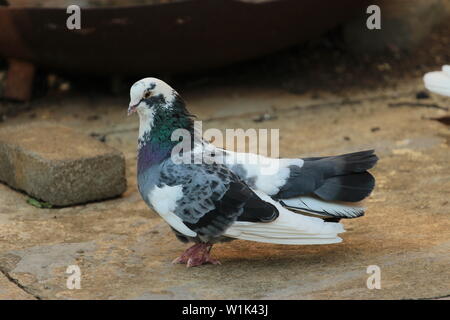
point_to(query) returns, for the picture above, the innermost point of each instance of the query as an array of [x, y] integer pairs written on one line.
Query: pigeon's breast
[[147, 181]]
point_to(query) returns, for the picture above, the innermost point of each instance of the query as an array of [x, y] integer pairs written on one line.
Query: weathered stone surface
[[10, 291], [60, 165]]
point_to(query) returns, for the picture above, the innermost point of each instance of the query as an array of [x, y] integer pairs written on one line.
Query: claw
[[215, 261], [190, 263], [196, 255], [177, 260]]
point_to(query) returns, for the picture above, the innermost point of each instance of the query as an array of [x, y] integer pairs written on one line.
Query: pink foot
[[197, 255]]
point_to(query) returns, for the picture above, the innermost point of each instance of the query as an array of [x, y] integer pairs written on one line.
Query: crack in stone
[[18, 284]]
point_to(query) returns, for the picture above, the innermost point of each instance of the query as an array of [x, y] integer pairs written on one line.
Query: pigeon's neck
[[155, 132]]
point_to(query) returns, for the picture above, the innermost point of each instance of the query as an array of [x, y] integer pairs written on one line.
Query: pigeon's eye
[[147, 94]]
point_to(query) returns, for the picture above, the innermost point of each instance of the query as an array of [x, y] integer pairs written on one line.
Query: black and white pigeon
[[225, 196]]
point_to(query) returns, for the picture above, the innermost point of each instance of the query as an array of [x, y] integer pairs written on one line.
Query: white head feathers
[[141, 94], [151, 87]]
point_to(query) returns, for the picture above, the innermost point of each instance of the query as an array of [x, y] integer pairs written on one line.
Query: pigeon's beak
[[132, 109]]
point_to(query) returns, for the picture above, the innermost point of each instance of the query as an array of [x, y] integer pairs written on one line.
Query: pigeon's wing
[[205, 199], [209, 201]]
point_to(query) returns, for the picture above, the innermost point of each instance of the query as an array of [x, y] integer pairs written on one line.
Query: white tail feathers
[[438, 81], [288, 228], [323, 208]]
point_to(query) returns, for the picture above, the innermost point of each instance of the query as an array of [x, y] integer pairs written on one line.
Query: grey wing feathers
[[213, 197]]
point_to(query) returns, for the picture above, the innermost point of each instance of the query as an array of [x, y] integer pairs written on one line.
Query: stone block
[[60, 165]]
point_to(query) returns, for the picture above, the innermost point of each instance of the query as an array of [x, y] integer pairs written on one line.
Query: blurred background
[[294, 45]]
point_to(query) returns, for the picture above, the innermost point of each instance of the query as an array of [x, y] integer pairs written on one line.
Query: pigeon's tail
[[336, 178], [348, 179], [356, 162], [438, 81], [325, 209], [288, 228]]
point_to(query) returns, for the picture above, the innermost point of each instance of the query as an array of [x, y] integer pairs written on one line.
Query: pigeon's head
[[148, 93]]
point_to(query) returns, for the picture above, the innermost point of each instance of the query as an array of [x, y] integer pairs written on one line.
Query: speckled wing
[[213, 198]]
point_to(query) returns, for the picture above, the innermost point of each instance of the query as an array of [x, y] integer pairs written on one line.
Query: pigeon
[[438, 81], [225, 196]]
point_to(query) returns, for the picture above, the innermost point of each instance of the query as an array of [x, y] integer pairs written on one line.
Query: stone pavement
[[124, 250]]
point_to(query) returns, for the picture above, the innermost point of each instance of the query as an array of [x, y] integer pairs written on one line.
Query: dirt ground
[[124, 250]]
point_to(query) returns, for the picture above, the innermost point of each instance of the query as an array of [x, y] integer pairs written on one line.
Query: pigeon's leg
[[197, 255]]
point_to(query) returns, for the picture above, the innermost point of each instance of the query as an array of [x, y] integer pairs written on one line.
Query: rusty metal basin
[[169, 37]]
